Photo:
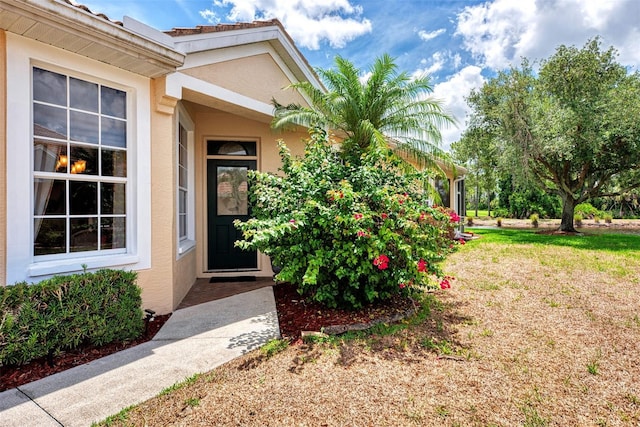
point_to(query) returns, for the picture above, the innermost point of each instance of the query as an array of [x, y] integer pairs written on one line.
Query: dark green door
[[227, 201]]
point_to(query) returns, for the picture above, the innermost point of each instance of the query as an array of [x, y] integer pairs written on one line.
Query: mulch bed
[[14, 376], [295, 315]]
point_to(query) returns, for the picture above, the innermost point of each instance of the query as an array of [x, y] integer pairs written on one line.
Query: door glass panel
[[232, 190]]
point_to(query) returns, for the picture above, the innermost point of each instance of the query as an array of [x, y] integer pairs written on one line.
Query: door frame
[[206, 271]]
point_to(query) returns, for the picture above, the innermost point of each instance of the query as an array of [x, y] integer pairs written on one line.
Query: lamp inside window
[[78, 166]]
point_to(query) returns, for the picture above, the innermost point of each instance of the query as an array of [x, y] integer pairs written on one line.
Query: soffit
[[74, 29]]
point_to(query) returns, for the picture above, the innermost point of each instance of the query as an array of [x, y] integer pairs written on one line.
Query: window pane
[[182, 177], [49, 156], [84, 160], [49, 197], [50, 236], [83, 127], [114, 163], [49, 87], [182, 155], [113, 232], [83, 95], [182, 224], [114, 102], [182, 201], [113, 198], [114, 132], [49, 121], [84, 234], [83, 198]]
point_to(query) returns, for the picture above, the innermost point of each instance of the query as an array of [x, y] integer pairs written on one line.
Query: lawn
[[537, 330]]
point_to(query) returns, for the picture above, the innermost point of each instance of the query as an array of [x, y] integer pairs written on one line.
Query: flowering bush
[[345, 234]]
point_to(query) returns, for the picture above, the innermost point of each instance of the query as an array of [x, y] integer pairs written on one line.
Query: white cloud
[[309, 22], [434, 64], [210, 16], [452, 93], [426, 36], [501, 32]]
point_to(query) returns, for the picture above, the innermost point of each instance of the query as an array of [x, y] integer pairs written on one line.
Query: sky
[[460, 44]]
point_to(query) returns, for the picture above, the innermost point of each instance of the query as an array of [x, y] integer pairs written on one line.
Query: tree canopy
[[572, 127], [387, 108]]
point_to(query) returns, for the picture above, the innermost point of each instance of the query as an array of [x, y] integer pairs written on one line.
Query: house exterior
[[125, 147]]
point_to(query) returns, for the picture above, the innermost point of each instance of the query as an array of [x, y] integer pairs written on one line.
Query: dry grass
[[530, 335]]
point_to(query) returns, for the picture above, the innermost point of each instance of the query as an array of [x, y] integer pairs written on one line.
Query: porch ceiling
[[222, 105], [69, 27]]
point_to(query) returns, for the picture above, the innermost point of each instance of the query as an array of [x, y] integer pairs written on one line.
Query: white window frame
[[98, 179], [188, 242], [22, 55]]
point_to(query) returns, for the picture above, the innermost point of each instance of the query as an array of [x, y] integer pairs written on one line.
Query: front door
[[227, 201]]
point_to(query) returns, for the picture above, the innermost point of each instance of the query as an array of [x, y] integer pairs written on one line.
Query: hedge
[[65, 312]]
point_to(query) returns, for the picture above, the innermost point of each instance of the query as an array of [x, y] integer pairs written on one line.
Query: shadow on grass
[[613, 242]]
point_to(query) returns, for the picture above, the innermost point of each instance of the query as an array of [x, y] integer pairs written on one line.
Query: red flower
[[362, 234], [422, 265], [454, 217], [402, 285], [446, 282], [358, 215], [384, 215], [341, 194], [381, 261], [462, 242]]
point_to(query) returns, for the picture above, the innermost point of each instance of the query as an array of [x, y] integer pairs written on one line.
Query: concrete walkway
[[194, 340]]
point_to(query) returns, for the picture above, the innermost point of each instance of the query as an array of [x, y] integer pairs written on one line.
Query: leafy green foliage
[[571, 128], [346, 234], [66, 311], [388, 109]]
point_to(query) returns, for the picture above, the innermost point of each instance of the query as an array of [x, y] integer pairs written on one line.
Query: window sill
[[185, 246], [76, 264]]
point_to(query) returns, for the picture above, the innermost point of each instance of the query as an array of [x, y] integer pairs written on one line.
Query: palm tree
[[387, 109]]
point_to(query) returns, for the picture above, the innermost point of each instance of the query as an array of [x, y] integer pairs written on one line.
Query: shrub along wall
[[64, 312]]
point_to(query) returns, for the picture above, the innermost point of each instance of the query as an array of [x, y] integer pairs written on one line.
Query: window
[[79, 165], [185, 181]]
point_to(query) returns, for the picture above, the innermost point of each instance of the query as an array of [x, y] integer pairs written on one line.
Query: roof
[[75, 28]]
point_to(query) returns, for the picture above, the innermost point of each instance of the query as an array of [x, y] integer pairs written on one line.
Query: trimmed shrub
[[65, 312], [534, 220]]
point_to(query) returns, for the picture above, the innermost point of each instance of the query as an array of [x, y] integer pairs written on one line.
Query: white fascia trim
[[176, 82], [87, 25], [193, 43]]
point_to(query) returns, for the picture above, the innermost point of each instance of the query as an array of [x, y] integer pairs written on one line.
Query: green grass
[[626, 244], [481, 213]]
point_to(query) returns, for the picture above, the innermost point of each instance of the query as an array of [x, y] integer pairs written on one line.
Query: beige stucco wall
[[258, 77], [3, 164], [157, 282]]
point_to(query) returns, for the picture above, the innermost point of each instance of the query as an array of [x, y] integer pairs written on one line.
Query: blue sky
[[459, 43]]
